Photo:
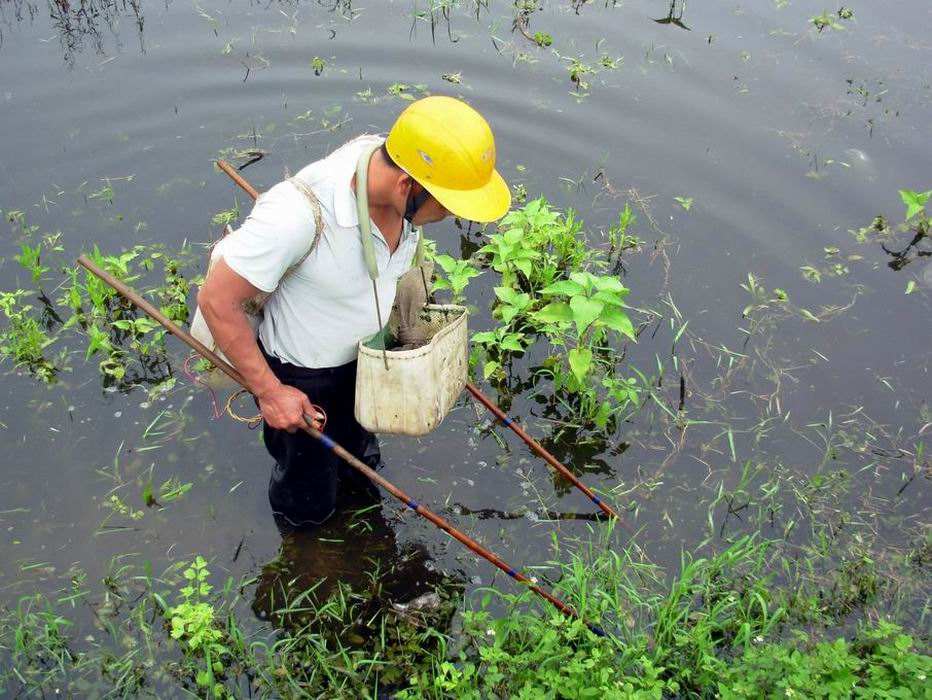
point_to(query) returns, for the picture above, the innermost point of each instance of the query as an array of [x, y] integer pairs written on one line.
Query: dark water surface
[[784, 137]]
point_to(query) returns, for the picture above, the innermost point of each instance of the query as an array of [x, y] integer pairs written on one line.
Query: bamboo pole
[[237, 178], [139, 301]]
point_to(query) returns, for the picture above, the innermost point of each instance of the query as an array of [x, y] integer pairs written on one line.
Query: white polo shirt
[[319, 312]]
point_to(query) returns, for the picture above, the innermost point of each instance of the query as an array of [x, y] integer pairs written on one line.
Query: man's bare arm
[[221, 301]]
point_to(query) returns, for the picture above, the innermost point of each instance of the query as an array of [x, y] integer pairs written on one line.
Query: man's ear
[[405, 182]]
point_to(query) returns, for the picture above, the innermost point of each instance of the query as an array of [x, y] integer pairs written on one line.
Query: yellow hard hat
[[448, 147]]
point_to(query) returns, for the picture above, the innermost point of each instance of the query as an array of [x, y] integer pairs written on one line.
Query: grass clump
[[718, 631]]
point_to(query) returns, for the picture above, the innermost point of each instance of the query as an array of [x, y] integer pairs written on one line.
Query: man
[[438, 159]]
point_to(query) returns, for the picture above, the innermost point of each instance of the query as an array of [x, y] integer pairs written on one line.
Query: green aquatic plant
[[713, 633], [29, 258], [24, 340], [915, 202], [194, 626], [685, 202], [458, 273], [534, 244], [829, 20], [580, 73], [545, 293], [581, 315], [619, 238]]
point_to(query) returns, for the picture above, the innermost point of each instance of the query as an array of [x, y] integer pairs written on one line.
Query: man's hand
[[283, 407]]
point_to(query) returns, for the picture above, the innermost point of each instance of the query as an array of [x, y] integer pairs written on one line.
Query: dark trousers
[[309, 482]]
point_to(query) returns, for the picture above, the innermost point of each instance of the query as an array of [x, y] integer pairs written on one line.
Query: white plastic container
[[420, 386]]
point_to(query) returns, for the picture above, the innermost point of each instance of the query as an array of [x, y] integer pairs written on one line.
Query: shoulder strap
[[308, 193], [362, 209]]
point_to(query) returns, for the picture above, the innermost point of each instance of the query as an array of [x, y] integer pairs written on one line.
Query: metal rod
[[487, 402], [371, 474], [539, 449]]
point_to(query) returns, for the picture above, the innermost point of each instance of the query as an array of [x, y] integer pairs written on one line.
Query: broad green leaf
[[506, 294], [585, 311], [567, 287], [509, 312], [484, 337], [513, 236], [915, 201], [610, 284], [613, 298], [525, 266], [489, 368], [580, 360], [555, 313], [512, 341], [585, 279], [617, 320], [447, 262]]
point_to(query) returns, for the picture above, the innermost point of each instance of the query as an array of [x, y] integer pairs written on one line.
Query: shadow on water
[[351, 570]]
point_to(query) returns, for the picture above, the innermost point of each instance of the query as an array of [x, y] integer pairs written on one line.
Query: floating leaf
[[808, 314], [915, 201]]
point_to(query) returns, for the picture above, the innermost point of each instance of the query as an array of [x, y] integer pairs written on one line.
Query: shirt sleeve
[[277, 233]]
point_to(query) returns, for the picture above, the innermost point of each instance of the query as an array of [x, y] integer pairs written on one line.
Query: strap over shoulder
[[308, 193], [362, 215]]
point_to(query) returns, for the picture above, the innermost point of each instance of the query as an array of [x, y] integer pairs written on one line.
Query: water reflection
[[355, 549], [675, 17], [89, 22]]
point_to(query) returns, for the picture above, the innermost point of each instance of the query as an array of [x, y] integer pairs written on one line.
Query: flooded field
[[726, 162]]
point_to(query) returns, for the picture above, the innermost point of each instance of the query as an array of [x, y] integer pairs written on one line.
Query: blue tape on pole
[[596, 630], [412, 505], [506, 421], [597, 500], [512, 573], [328, 443]]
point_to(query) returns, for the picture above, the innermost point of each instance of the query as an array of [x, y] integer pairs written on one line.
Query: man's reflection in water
[[355, 548]]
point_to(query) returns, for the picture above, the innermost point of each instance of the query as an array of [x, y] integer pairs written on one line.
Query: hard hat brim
[[483, 204]]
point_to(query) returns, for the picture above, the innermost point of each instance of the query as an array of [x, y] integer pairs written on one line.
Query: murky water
[[784, 137]]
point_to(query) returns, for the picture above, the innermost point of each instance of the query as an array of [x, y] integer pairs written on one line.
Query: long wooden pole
[[139, 301], [540, 450], [482, 398]]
